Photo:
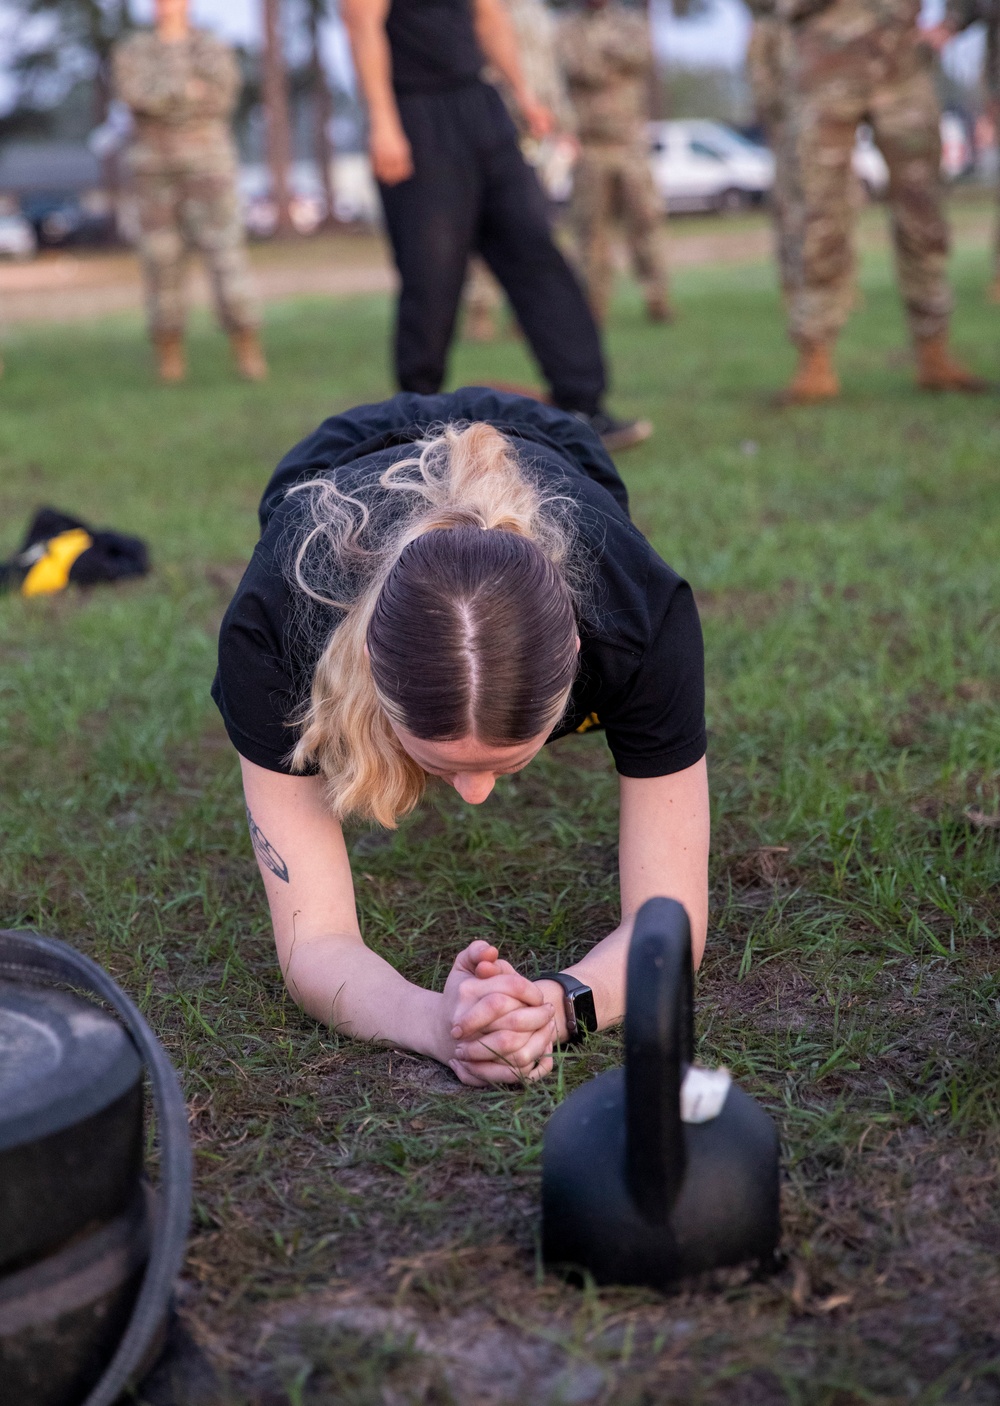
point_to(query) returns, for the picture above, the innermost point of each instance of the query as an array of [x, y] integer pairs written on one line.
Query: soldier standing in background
[[959, 15], [854, 61], [181, 85], [607, 58], [534, 30]]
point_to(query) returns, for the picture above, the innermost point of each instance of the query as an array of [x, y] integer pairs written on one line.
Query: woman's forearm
[[603, 970], [662, 853], [341, 982]]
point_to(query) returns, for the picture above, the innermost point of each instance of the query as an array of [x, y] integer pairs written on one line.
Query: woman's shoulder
[[632, 587]]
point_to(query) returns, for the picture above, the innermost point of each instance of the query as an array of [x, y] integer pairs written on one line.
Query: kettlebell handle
[[659, 1047]]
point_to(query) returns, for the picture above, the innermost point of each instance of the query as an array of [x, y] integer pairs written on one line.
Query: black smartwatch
[[578, 1003]]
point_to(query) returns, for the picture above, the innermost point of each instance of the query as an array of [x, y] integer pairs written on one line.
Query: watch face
[[583, 1010], [581, 1016]]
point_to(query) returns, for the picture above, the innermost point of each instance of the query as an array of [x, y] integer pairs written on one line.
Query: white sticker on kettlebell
[[703, 1093]]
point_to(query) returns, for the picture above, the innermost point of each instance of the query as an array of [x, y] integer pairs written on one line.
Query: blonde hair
[[461, 569]]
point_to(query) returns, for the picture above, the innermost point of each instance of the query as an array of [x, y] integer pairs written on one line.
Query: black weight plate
[[70, 1119], [62, 1318]]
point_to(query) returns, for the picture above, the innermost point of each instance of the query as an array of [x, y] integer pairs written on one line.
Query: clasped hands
[[500, 1026]]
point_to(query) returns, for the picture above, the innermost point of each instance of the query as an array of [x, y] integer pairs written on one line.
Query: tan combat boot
[[814, 379], [658, 308], [248, 354], [170, 364], [937, 370]]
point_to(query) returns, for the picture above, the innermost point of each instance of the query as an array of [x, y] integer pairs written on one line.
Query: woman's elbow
[[315, 974]]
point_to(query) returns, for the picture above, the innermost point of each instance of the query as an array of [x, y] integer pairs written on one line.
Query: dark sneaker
[[616, 434]]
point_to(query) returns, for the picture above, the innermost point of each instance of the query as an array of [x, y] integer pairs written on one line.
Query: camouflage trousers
[[767, 65], [181, 210], [611, 183], [886, 79]]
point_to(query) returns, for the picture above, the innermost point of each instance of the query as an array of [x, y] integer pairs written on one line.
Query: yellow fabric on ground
[[51, 572]]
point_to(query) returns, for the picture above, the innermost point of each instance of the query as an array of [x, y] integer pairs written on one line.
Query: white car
[[354, 192], [703, 165], [868, 164], [17, 237], [958, 155]]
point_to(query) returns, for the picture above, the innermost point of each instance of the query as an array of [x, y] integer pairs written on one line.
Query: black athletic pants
[[472, 191]]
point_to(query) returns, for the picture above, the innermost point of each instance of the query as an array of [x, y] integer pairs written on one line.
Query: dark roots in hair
[[473, 634]]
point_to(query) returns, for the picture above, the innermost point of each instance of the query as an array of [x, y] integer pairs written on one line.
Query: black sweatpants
[[472, 191]]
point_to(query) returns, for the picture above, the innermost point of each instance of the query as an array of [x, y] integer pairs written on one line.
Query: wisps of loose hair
[[461, 481]]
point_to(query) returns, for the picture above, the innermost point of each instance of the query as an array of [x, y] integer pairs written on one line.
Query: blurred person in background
[[853, 61], [551, 156], [767, 66], [959, 15], [607, 58], [453, 181], [181, 85]]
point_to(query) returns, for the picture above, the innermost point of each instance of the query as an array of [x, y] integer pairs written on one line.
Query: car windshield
[[725, 139], [700, 148]]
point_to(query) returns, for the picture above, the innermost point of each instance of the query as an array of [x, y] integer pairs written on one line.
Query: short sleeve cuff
[[664, 764]]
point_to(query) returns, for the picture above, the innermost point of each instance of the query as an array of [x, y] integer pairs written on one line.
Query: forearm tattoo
[[265, 851]]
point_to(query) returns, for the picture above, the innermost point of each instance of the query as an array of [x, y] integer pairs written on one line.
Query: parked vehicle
[[868, 164], [703, 165], [354, 193], [958, 152], [17, 238], [61, 218]]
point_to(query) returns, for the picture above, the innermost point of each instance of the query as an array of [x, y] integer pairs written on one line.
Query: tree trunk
[[110, 174], [656, 74], [322, 106], [277, 124]]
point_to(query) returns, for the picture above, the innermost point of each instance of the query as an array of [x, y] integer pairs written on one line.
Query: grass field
[[365, 1228]]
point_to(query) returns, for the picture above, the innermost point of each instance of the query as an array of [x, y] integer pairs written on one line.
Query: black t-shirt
[[641, 673], [433, 45]]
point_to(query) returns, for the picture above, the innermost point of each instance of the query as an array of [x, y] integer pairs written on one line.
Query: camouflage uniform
[[534, 30], [768, 64], [183, 165], [607, 59], [959, 14], [852, 61]]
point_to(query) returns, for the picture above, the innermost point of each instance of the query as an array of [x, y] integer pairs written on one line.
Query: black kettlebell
[[631, 1192]]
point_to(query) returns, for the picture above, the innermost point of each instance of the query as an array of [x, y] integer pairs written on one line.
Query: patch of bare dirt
[[67, 287]]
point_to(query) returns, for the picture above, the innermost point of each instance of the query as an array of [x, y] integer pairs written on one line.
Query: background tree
[[61, 41], [277, 123], [322, 103], [59, 45]]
